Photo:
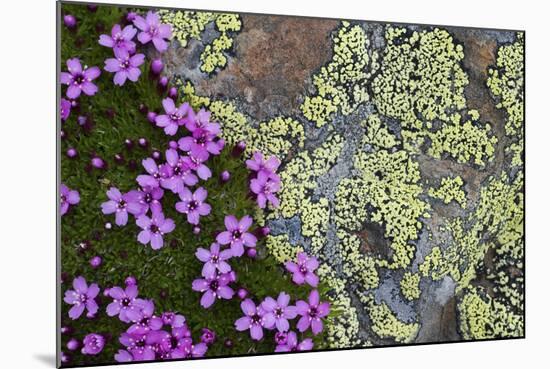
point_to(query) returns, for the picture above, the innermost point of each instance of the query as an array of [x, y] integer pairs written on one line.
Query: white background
[[28, 198]]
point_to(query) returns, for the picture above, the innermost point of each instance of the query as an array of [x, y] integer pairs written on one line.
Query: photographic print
[[243, 184]]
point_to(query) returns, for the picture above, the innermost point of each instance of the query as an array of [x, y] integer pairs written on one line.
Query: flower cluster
[[275, 314], [150, 336], [266, 182], [125, 65]]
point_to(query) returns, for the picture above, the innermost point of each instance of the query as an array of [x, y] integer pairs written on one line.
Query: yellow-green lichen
[[235, 126], [278, 136], [377, 134], [281, 248], [422, 85], [342, 330], [449, 190], [386, 325], [482, 317], [342, 84], [506, 82], [388, 183], [357, 266], [186, 25], [299, 175], [410, 286], [213, 56]]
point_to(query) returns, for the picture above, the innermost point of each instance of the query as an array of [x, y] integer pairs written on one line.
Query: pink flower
[[193, 204], [252, 320], [153, 30], [265, 185], [82, 297], [257, 163], [68, 197], [153, 229], [78, 79], [303, 270], [277, 312], [292, 344], [214, 260], [124, 66], [214, 287], [312, 312], [120, 38], [236, 235]]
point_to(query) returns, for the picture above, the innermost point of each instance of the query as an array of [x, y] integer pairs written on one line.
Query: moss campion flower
[[120, 38], [214, 260], [312, 312], [93, 344], [303, 271], [277, 312], [82, 298], [153, 228], [65, 109], [174, 117], [265, 185], [79, 79], [124, 66], [252, 320], [193, 205], [68, 197], [124, 301], [236, 235], [153, 31], [215, 287], [121, 205], [291, 344]]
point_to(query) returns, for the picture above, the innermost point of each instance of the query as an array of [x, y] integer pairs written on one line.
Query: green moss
[[342, 85], [449, 190], [422, 83], [410, 286], [482, 317]]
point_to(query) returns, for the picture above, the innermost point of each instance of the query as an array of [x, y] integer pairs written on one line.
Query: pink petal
[[202, 254], [207, 299], [242, 324], [245, 223], [224, 238]]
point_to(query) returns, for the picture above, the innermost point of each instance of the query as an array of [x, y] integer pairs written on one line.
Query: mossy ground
[[165, 275]]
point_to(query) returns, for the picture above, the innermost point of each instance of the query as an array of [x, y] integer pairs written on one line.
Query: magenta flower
[[153, 30], [236, 235], [143, 318], [155, 175], [124, 66], [214, 260], [201, 120], [137, 346], [123, 356], [196, 163], [252, 320], [292, 344], [153, 229], [258, 164], [65, 109], [312, 312], [176, 173], [303, 270], [187, 349], [82, 297], [214, 287], [78, 79], [68, 197], [93, 344], [193, 204], [174, 320], [121, 205], [124, 301], [265, 185], [148, 197], [199, 142], [278, 312], [120, 38], [173, 118], [208, 336]]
